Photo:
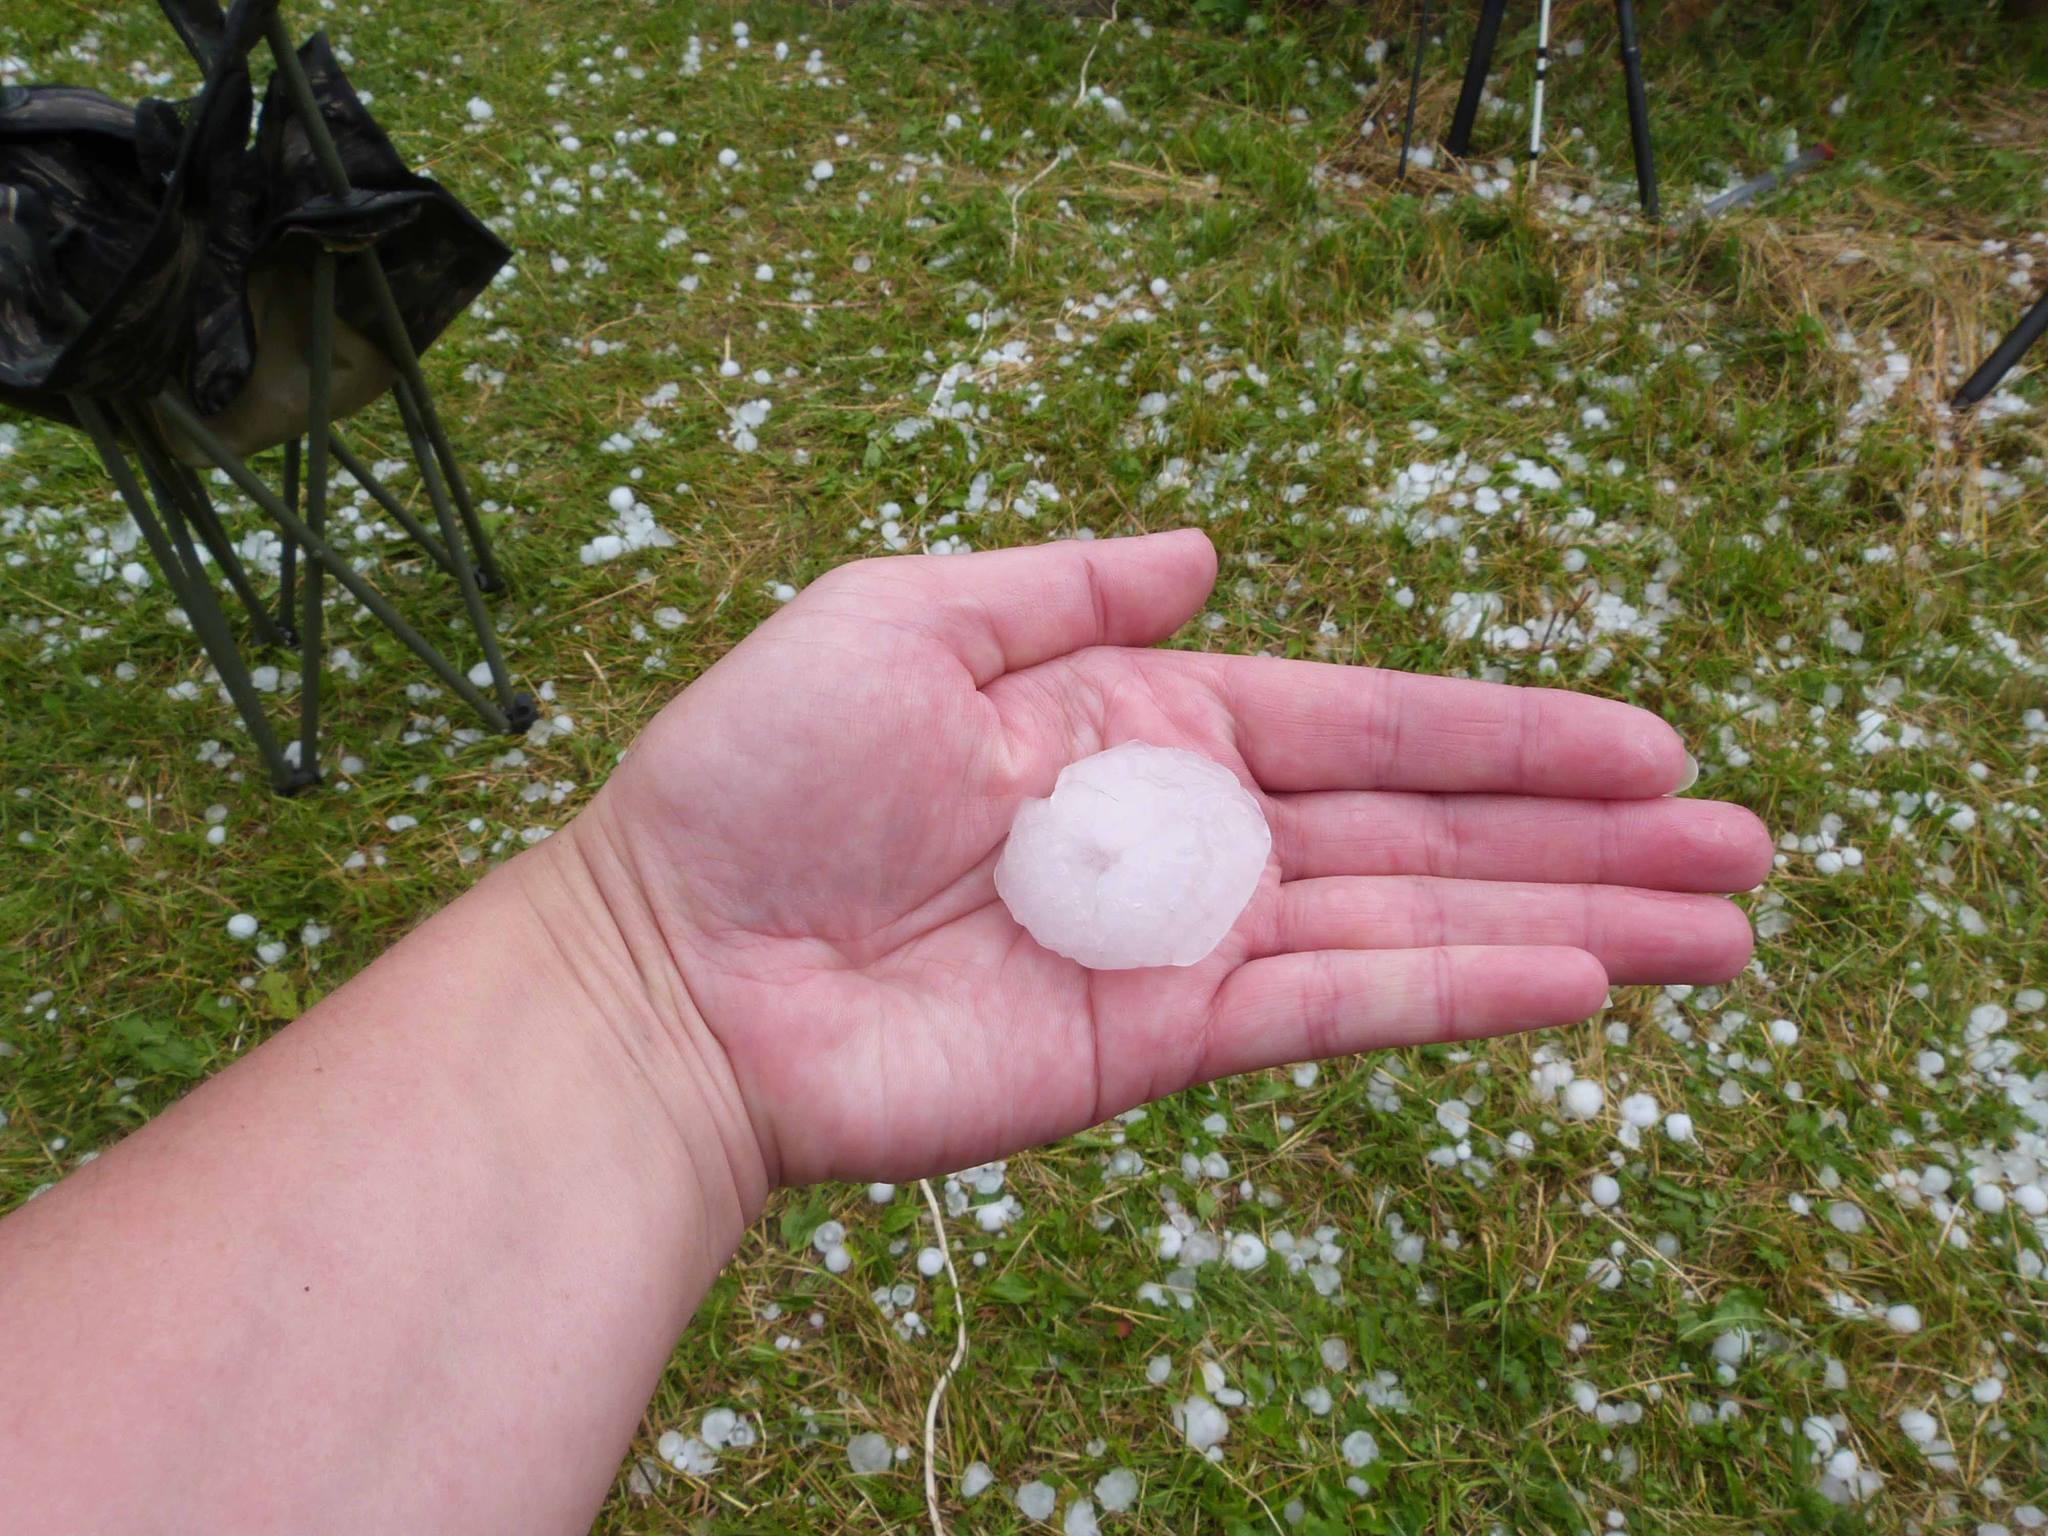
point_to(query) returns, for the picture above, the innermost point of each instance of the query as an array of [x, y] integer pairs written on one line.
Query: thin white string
[[931, 1407]]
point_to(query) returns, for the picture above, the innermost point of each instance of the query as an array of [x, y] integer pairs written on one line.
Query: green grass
[[1702, 395]]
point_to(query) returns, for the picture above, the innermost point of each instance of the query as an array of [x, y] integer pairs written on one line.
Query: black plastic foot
[[298, 781], [520, 716], [286, 635], [489, 584]]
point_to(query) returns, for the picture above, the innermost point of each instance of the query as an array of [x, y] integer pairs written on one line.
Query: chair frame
[[169, 501]]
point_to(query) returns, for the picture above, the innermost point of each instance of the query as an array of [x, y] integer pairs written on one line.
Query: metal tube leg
[[489, 577], [381, 494], [1459, 139], [187, 421], [397, 343], [199, 607], [320, 388], [1536, 95], [2004, 355], [1414, 84], [288, 555], [472, 597], [1638, 107], [199, 510]]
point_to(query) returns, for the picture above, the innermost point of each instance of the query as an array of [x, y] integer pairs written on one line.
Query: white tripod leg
[[1542, 69]]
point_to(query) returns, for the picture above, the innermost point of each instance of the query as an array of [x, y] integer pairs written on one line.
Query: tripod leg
[[1536, 96], [1459, 139], [1638, 107], [2004, 355], [1414, 83]]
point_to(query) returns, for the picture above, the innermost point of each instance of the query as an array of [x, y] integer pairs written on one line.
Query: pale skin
[[416, 1263]]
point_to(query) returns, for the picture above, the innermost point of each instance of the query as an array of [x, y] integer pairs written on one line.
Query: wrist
[[614, 965]]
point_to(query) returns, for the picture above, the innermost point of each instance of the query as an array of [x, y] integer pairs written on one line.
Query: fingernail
[[1692, 775]]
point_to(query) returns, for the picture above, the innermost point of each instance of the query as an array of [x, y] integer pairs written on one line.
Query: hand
[[812, 830]]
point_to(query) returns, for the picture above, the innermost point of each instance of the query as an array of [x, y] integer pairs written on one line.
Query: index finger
[[1304, 725]]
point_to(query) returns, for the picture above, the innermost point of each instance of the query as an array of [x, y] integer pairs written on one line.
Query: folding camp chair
[[191, 299]]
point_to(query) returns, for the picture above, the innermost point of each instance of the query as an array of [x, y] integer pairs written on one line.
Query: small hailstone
[[1160, 288], [838, 1260], [975, 1481], [869, 1453], [1731, 1347], [2031, 1198], [1245, 1251], [1117, 1489], [881, 1194], [1582, 1098], [481, 111], [728, 158], [822, 171], [1604, 1190], [1846, 1216], [1918, 1426], [1678, 1126], [1335, 1352], [1035, 1500], [930, 1261], [621, 498], [1784, 1032], [1987, 1391], [1203, 1423], [1639, 1110], [1158, 1368], [1141, 856], [1359, 1449], [1080, 1519], [1988, 1198], [241, 926], [1903, 1318]]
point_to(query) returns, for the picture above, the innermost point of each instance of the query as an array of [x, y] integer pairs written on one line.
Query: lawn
[[817, 284]]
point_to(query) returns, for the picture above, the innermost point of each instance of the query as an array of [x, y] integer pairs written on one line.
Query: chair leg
[[196, 598], [288, 556], [317, 551], [187, 491], [1414, 84], [1459, 140], [397, 343], [472, 596], [381, 494], [320, 397], [1638, 107]]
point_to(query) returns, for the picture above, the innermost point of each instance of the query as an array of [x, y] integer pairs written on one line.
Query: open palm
[[814, 826]]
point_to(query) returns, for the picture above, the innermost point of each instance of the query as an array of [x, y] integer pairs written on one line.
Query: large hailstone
[[1142, 856]]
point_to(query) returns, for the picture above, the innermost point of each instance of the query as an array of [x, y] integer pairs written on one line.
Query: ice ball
[[1142, 855]]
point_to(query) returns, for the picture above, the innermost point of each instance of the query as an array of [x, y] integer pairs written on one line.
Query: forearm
[[414, 1264]]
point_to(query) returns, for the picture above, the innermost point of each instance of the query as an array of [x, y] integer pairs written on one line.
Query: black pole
[[1638, 107], [1460, 137], [1414, 83], [2004, 355]]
